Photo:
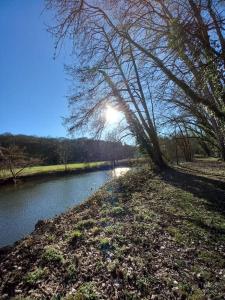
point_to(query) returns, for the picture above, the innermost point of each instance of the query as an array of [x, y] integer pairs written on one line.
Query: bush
[[71, 272], [117, 211], [52, 255], [85, 224], [33, 277]]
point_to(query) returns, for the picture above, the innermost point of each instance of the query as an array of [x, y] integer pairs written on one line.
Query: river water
[[23, 205]]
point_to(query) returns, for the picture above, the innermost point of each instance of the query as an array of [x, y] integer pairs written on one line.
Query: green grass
[[55, 168]]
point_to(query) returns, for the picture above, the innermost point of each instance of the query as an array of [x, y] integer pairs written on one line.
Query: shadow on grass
[[212, 190]]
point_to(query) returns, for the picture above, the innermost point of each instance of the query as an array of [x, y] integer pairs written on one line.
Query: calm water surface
[[22, 206]]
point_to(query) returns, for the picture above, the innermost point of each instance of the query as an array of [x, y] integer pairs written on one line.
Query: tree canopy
[[161, 63]]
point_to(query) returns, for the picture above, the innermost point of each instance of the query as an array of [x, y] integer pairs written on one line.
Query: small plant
[[85, 224], [109, 229], [71, 272], [185, 289], [34, 276], [117, 211], [95, 230], [104, 221], [104, 244], [105, 211], [177, 235], [111, 267], [85, 292], [52, 255], [75, 236], [130, 295], [50, 238], [197, 295]]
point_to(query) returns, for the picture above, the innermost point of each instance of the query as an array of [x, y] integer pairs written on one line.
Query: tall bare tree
[[123, 44]]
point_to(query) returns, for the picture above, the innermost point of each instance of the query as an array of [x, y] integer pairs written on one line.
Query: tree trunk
[[222, 151]]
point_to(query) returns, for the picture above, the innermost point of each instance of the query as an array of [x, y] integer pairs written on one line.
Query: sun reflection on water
[[117, 172]]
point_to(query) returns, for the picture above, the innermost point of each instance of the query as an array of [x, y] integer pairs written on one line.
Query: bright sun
[[111, 115]]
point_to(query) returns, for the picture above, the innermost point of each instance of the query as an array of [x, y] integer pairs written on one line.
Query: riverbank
[[142, 236], [33, 173]]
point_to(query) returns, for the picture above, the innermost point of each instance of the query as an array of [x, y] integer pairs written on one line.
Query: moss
[[52, 254], [34, 276]]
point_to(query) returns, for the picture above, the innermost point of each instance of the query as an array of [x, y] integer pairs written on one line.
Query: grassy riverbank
[[55, 168], [143, 236]]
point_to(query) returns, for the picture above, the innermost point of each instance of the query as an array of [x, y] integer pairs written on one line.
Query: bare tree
[[64, 152], [14, 160], [124, 44]]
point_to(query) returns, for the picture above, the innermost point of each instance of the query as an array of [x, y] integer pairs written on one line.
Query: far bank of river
[[22, 206], [40, 172]]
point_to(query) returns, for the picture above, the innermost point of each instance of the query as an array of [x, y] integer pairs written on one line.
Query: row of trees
[[51, 151], [161, 63]]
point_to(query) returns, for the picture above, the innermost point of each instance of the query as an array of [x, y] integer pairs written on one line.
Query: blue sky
[[33, 86]]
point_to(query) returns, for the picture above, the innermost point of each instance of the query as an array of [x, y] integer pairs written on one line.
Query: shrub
[[52, 255], [117, 211], [71, 272], [85, 224], [33, 277]]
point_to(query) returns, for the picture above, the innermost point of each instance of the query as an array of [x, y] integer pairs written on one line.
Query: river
[[23, 205]]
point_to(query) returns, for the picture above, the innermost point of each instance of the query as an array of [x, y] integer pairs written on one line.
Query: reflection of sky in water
[[22, 206]]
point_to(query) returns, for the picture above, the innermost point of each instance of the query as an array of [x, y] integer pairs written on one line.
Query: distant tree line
[[62, 150]]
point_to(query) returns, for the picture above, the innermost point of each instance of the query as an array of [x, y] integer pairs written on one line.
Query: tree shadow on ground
[[212, 190]]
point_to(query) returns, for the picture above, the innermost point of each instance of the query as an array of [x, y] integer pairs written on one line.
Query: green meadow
[[54, 168]]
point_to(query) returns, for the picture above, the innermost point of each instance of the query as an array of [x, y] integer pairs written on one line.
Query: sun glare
[[112, 115]]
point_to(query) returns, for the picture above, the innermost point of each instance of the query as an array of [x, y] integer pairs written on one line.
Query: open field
[[142, 236]]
